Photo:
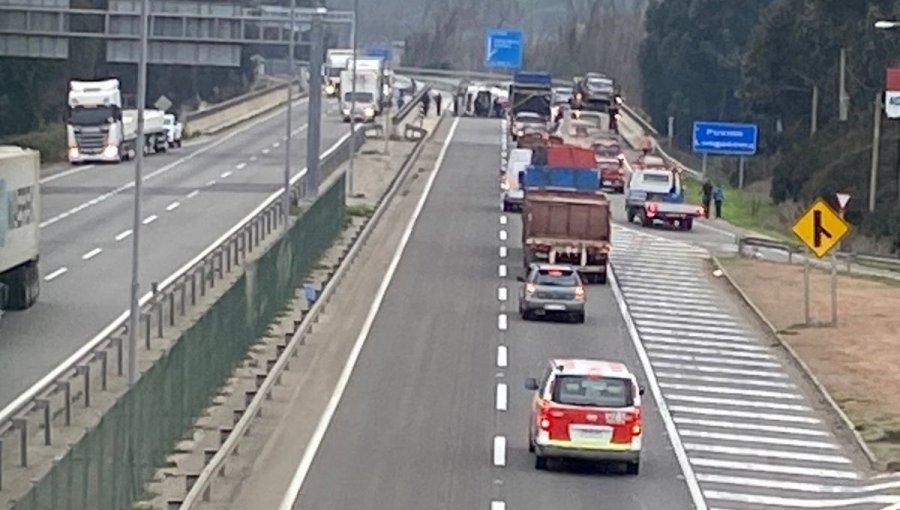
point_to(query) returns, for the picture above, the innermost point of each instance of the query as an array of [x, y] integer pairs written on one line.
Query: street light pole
[[353, 44], [286, 198], [140, 144], [315, 104]]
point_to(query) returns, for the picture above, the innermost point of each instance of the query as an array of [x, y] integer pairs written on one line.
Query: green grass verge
[[744, 209], [49, 141]]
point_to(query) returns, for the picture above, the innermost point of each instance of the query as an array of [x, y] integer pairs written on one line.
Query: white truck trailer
[[19, 227], [367, 103], [99, 130], [335, 63]]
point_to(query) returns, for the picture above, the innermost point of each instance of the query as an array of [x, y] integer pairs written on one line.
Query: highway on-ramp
[[418, 424], [192, 196]]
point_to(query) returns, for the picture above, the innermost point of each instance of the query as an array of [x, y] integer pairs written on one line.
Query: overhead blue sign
[[726, 138], [384, 53], [503, 48]]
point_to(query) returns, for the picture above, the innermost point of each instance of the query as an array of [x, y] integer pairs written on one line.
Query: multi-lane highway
[[192, 196]]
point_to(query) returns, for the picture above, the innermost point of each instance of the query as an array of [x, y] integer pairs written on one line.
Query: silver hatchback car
[[552, 290]]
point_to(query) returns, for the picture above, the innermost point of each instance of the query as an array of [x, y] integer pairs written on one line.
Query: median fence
[[81, 439]]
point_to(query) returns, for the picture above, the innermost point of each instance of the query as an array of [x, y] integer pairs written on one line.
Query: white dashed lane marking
[[91, 254], [123, 235], [150, 219], [173, 206], [56, 274]]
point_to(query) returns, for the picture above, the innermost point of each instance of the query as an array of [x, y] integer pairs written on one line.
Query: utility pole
[[353, 44], [814, 117], [670, 133], [876, 148], [140, 145], [315, 105], [843, 98], [286, 198]]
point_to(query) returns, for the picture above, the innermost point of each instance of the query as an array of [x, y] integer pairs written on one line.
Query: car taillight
[[579, 292], [636, 429], [652, 207], [530, 288], [700, 211]]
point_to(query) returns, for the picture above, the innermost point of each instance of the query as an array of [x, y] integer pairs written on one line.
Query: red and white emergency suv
[[586, 409]]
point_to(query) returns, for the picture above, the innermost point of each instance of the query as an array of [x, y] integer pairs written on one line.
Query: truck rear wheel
[[687, 224], [631, 214], [646, 221], [23, 286]]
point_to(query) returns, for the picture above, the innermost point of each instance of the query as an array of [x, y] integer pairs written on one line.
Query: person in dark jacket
[[426, 104], [437, 103], [718, 196], [707, 196]]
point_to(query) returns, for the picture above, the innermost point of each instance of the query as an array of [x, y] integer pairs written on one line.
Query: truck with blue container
[[654, 194], [531, 92], [566, 217]]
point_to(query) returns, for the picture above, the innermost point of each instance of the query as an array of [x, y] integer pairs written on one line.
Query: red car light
[[545, 423], [651, 207], [636, 429]]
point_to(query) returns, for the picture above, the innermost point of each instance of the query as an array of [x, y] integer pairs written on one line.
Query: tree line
[[766, 61]]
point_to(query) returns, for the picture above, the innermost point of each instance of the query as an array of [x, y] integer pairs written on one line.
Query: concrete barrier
[[236, 110]]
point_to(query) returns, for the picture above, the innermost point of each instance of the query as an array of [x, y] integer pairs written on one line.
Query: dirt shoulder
[[858, 361]]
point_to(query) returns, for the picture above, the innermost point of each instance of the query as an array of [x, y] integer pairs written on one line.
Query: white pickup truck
[[19, 227], [654, 193]]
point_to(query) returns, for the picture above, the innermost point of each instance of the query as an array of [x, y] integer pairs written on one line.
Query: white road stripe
[[502, 252], [676, 328], [173, 206], [656, 304], [503, 219], [502, 322], [796, 486], [673, 290], [774, 468], [123, 235], [498, 505], [721, 390], [695, 334], [502, 396], [193, 194], [150, 219], [674, 303], [767, 453], [225, 175], [211, 183], [240, 166], [706, 411], [701, 350], [776, 429], [502, 356], [502, 234], [501, 270], [501, 294], [777, 501], [641, 312], [705, 359], [762, 440], [703, 343], [56, 274], [91, 254], [253, 158], [721, 370], [774, 406], [724, 380], [276, 145], [266, 150], [675, 319], [499, 450]]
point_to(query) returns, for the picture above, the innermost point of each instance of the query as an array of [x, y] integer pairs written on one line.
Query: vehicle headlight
[[520, 133], [369, 111], [111, 151], [73, 152], [329, 89]]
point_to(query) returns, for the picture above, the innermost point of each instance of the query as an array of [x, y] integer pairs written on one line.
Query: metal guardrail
[[32, 415], [200, 490], [791, 249]]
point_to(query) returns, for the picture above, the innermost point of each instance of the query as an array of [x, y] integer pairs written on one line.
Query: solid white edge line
[[91, 254], [502, 356], [502, 397], [56, 274], [65, 173], [672, 431], [315, 441], [499, 452], [173, 206]]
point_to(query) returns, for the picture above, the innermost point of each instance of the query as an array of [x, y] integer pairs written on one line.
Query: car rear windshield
[[556, 278], [582, 390], [657, 178]]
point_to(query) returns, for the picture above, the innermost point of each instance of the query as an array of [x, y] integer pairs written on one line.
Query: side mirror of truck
[[531, 384]]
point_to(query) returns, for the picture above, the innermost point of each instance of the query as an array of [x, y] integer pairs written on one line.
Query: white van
[[513, 193]]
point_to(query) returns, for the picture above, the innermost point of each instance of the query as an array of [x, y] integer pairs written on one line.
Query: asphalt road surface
[[192, 196], [418, 423]]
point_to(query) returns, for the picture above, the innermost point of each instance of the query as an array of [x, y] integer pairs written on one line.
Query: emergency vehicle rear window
[[656, 178], [581, 390]]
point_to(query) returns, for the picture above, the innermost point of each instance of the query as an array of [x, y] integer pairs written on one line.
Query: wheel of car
[[630, 214], [633, 468], [540, 463], [530, 444]]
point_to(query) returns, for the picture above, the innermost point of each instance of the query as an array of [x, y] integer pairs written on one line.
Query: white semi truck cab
[[19, 227]]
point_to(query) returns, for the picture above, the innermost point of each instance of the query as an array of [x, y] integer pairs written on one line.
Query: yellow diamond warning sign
[[820, 228]]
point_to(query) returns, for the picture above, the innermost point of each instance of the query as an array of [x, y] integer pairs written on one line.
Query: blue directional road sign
[[503, 48], [384, 53], [726, 138]]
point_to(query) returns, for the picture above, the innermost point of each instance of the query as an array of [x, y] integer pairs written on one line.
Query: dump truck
[[566, 217], [531, 92], [19, 227]]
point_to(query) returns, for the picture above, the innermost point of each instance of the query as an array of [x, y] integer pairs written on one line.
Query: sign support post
[[703, 166], [741, 162], [821, 229]]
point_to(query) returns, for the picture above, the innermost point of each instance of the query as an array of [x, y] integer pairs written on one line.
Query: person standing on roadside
[[437, 102], [646, 143], [706, 197], [426, 104], [718, 196]]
